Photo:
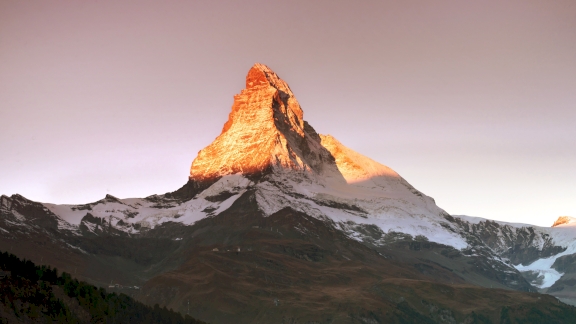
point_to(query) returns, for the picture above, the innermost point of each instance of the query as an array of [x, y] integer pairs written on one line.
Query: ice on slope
[[543, 267], [563, 235]]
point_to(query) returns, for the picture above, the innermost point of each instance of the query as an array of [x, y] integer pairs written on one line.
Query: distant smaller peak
[[111, 198], [18, 197], [564, 220]]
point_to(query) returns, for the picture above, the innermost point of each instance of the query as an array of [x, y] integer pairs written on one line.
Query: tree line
[[28, 295]]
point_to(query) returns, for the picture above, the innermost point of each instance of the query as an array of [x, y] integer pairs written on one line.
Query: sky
[[472, 102]]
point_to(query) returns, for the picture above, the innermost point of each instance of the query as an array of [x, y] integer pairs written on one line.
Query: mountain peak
[[265, 131], [262, 75], [564, 220]]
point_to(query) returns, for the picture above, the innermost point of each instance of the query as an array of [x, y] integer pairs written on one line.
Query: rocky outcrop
[[566, 263], [521, 245], [22, 210]]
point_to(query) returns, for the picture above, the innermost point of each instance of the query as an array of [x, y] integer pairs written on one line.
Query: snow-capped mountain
[[266, 146], [268, 163]]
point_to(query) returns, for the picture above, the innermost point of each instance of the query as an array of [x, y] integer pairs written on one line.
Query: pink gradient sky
[[473, 102]]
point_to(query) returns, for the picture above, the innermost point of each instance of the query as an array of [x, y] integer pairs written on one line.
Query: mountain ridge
[[270, 185]]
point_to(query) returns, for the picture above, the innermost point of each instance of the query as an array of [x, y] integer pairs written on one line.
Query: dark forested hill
[[37, 294]]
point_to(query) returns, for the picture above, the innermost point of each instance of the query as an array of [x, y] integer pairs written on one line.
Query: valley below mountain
[[279, 224]]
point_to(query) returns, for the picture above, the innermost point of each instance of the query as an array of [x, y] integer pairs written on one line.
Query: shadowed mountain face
[[280, 224], [290, 267]]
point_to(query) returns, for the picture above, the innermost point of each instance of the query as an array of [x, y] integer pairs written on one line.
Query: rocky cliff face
[[26, 216], [265, 130], [520, 244]]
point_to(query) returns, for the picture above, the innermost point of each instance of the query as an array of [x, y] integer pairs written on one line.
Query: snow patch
[[77, 248], [562, 236]]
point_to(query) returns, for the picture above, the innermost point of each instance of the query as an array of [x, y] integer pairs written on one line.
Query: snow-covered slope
[[393, 206], [134, 214], [533, 249], [267, 147], [563, 236]]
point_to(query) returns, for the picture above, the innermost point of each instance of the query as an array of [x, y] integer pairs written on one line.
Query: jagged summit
[[265, 130], [262, 75]]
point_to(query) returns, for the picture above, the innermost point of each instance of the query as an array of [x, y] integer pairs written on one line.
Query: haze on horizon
[[472, 103]]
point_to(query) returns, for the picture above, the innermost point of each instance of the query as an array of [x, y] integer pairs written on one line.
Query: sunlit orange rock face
[[354, 166], [265, 130], [563, 220]]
